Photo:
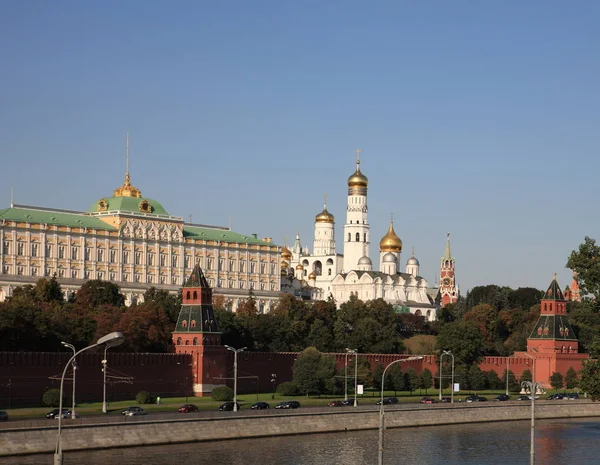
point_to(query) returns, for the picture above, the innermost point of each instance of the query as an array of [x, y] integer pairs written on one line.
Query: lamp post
[[441, 379], [346, 377], [448, 352], [381, 409], [355, 352], [273, 381], [72, 347], [104, 363], [235, 352], [111, 340], [507, 363], [533, 387]]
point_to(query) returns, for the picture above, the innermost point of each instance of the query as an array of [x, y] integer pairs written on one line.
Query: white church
[[340, 276]]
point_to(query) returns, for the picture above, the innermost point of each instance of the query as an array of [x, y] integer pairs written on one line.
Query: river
[[558, 442]]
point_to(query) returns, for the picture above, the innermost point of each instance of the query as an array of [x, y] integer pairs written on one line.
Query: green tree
[[557, 381], [525, 376], [590, 379], [426, 380], [168, 302], [586, 262], [513, 383], [395, 377], [464, 339], [411, 380], [571, 379], [377, 373], [312, 369], [476, 378], [492, 380], [95, 293], [48, 290]]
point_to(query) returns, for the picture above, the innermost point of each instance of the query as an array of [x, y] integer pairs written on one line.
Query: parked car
[[54, 413], [476, 399], [349, 403], [446, 400], [260, 406], [66, 415], [336, 403], [187, 408], [502, 398], [388, 401], [288, 404], [573, 396], [228, 406], [523, 398], [428, 400], [133, 411], [556, 396], [3, 415]]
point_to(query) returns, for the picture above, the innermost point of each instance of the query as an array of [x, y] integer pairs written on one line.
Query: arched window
[[329, 272], [184, 323], [178, 341], [349, 237], [193, 324], [187, 295], [357, 237], [365, 237], [195, 341], [195, 295]]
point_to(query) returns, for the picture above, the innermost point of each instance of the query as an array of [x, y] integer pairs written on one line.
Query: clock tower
[[448, 288]]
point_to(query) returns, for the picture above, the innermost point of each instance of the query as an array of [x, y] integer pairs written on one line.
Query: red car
[[336, 403], [428, 400], [187, 408]]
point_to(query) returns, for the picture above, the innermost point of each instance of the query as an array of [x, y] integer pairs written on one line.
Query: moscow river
[[558, 442]]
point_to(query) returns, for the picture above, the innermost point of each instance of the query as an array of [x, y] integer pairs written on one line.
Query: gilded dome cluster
[[324, 216], [390, 242]]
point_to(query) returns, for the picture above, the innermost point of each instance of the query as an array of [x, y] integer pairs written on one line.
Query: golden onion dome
[[286, 254], [299, 267], [312, 276], [358, 179], [390, 242], [284, 264], [324, 216]]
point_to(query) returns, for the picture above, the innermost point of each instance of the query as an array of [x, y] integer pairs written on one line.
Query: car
[[3, 415], [187, 408], [133, 411], [476, 399], [349, 403], [573, 396], [502, 398], [336, 403], [66, 415], [387, 401], [446, 400], [288, 404], [260, 406], [556, 396], [523, 398], [428, 400], [54, 413], [228, 406]]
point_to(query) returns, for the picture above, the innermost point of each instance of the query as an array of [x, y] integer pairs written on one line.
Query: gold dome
[[312, 276], [285, 253], [284, 264], [127, 190], [390, 242], [358, 179], [324, 216], [299, 267]]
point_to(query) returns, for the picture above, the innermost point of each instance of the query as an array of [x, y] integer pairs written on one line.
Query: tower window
[[193, 323], [184, 324], [187, 295], [357, 237], [365, 237], [195, 341], [349, 237], [195, 297]]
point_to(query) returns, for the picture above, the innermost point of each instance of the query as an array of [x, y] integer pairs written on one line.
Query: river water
[[558, 442]]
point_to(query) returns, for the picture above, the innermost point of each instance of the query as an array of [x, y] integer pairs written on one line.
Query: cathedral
[[353, 273]]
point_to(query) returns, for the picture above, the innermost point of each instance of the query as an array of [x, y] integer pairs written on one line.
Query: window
[[252, 267], [34, 250], [241, 284], [113, 256], [162, 279], [100, 275], [349, 237], [262, 268], [48, 272], [195, 339], [231, 265], [329, 272], [125, 256], [6, 248], [272, 286], [48, 250], [163, 259], [230, 284], [34, 271], [272, 268], [61, 273], [86, 275], [74, 253], [221, 264], [209, 262], [74, 274], [195, 297], [61, 251], [174, 260], [20, 248], [262, 286], [175, 280], [125, 277], [138, 258], [88, 253], [220, 283], [365, 237], [242, 264], [100, 254], [187, 261], [138, 278], [357, 237], [150, 259], [184, 324]]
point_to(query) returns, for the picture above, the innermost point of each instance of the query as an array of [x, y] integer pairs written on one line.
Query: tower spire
[[12, 198], [127, 190], [447, 254], [325, 201], [358, 158], [127, 156]]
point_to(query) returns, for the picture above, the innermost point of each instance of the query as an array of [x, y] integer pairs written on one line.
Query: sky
[[475, 118]]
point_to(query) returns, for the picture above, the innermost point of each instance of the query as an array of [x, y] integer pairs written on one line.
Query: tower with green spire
[[196, 333], [448, 288]]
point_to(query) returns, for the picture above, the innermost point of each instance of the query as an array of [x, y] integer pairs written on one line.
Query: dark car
[[349, 403], [556, 396], [446, 400], [288, 404], [133, 411], [187, 408], [54, 413], [228, 406], [428, 400], [502, 398], [388, 401], [573, 396], [260, 406], [523, 398], [476, 399], [336, 403], [3, 415]]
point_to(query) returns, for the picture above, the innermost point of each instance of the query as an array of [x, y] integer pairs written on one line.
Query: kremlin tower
[[448, 289]]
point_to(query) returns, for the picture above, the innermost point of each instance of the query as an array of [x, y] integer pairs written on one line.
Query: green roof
[[53, 217], [196, 319], [555, 327], [129, 204], [554, 292], [224, 235]]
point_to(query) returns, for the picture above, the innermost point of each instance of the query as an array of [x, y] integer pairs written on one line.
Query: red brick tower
[[448, 288], [197, 334]]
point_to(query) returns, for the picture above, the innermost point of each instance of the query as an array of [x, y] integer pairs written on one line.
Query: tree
[[168, 302], [248, 307], [377, 374], [312, 369], [477, 378], [557, 380], [396, 379], [48, 290], [571, 379], [426, 380], [524, 298], [95, 292], [464, 339], [493, 381], [513, 384], [146, 327], [586, 262], [411, 380], [525, 376], [590, 379]]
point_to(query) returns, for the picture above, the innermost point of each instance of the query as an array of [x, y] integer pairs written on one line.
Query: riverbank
[[36, 440]]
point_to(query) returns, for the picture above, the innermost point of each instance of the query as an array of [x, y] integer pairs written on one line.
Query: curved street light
[[533, 388], [235, 352], [72, 347], [381, 410], [111, 340], [447, 352], [355, 352]]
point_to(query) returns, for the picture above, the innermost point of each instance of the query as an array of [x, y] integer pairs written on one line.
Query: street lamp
[[447, 352], [273, 381], [381, 410], [72, 347], [533, 387], [355, 352], [111, 340], [104, 363], [235, 352], [507, 363]]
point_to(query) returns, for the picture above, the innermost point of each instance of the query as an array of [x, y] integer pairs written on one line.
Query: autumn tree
[[590, 379], [463, 339], [95, 292], [586, 262]]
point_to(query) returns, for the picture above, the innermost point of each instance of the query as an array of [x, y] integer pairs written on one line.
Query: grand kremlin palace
[[134, 242]]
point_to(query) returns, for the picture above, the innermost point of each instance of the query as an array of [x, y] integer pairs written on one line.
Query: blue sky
[[475, 118]]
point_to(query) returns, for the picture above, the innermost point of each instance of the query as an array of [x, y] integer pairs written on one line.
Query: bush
[[222, 393], [144, 397], [51, 398], [289, 388]]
